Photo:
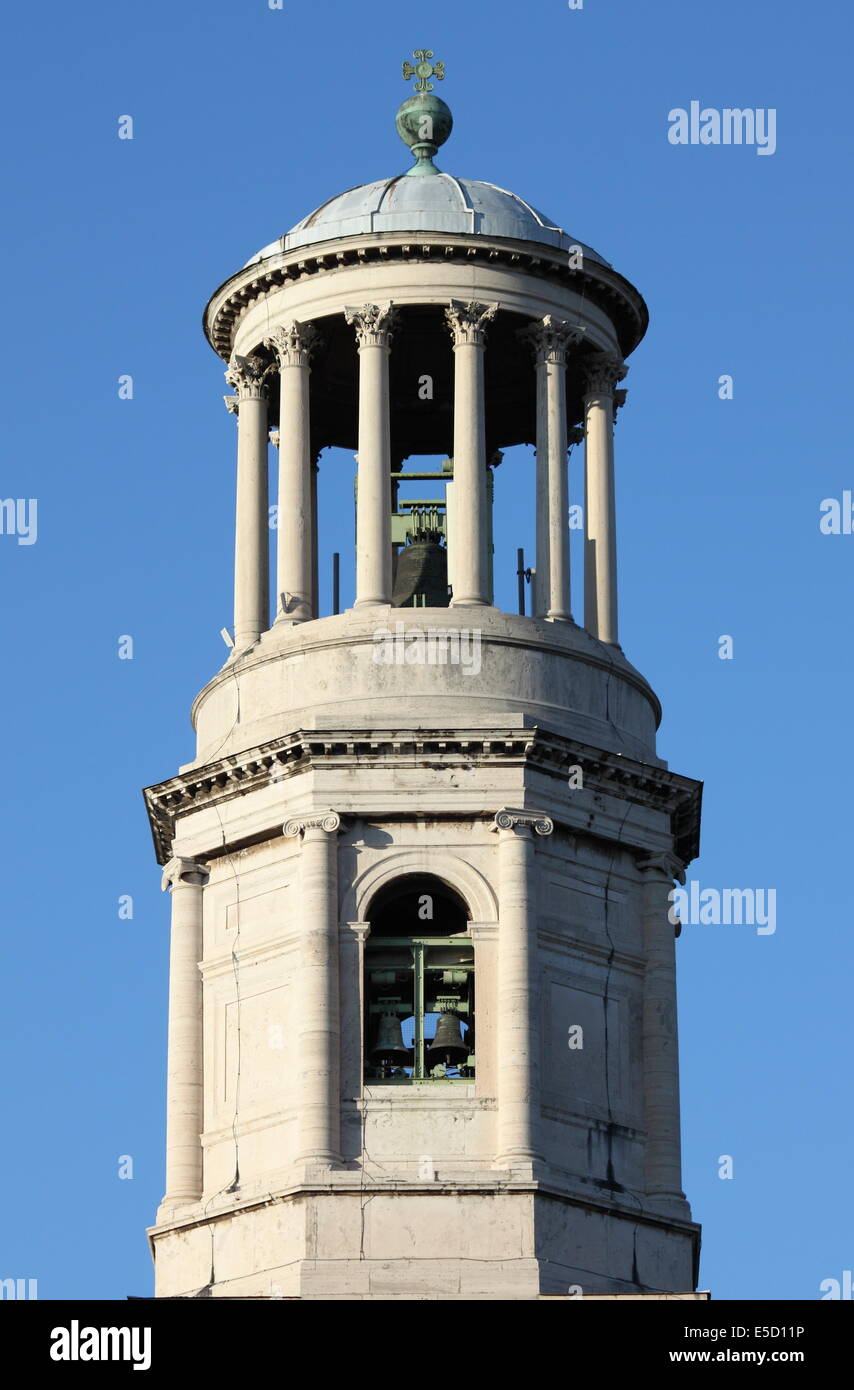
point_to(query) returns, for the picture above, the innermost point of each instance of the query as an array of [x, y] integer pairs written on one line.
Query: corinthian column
[[374, 325], [319, 1028], [518, 994], [467, 323], [663, 1160], [293, 344], [600, 522], [184, 1080], [248, 376], [550, 340]]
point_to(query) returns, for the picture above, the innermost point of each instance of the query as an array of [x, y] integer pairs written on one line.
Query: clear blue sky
[[245, 119]]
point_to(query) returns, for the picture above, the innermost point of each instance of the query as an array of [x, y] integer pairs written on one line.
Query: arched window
[[419, 985]]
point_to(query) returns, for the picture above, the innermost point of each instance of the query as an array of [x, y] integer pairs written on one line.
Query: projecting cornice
[[540, 750], [598, 282]]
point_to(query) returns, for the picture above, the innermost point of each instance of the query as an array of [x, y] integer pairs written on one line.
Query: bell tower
[[422, 1012]]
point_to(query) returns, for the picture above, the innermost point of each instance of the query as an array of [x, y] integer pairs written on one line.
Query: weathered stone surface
[[523, 776]]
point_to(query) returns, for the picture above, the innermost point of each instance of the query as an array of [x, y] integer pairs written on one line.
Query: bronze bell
[[421, 576], [389, 1047], [448, 1044]]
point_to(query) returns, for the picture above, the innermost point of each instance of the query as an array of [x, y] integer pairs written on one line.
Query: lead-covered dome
[[395, 227], [437, 203]]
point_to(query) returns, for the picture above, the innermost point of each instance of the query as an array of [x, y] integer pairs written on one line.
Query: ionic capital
[[374, 323], [250, 378], [509, 818], [293, 343], [602, 372], [467, 321], [355, 933], [179, 871], [329, 821], [666, 864], [551, 338]]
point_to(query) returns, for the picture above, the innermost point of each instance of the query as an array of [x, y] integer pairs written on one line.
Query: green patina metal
[[424, 70], [423, 519], [425, 1005], [424, 122]]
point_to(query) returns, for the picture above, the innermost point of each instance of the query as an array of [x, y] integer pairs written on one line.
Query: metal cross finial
[[423, 70]]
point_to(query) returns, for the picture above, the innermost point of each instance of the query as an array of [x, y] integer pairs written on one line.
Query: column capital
[[619, 402], [293, 343], [666, 864], [510, 818], [602, 372], [329, 821], [574, 435], [375, 324], [355, 932], [467, 320], [250, 378], [182, 871], [551, 338], [275, 438]]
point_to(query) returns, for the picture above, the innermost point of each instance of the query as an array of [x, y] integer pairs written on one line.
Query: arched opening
[[419, 985]]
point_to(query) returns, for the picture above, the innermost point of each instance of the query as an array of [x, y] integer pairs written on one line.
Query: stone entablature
[[602, 285], [537, 749]]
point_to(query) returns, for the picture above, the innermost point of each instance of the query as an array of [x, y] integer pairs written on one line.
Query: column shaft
[[319, 1031], [374, 325], [489, 532], [660, 1040], [558, 495], [185, 1068], [373, 516], [600, 550], [600, 521], [540, 586], [293, 343], [550, 338], [293, 568], [251, 544], [450, 537], [315, 576], [469, 565], [518, 1045]]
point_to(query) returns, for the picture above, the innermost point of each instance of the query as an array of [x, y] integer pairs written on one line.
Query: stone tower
[[422, 1012]]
